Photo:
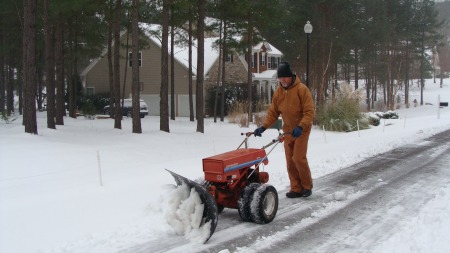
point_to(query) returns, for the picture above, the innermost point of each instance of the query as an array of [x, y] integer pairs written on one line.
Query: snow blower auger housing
[[233, 180]]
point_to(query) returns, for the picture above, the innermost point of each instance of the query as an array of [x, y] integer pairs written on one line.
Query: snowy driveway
[[352, 210]]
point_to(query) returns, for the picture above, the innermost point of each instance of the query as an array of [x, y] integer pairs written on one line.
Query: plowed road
[[351, 210]]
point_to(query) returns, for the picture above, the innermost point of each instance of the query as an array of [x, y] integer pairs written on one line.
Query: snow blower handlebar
[[279, 139], [275, 141]]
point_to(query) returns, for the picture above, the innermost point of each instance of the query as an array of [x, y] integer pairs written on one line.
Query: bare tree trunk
[[40, 81], [422, 59], [29, 64], [20, 90], [3, 79], [433, 52], [164, 104], [356, 68], [110, 69], [135, 68], [249, 70], [49, 66], [3, 64], [75, 74], [200, 66], [9, 86], [224, 59], [368, 86], [117, 109], [10, 90], [59, 68], [70, 81], [125, 69], [216, 98], [191, 100], [172, 71], [407, 64], [333, 88]]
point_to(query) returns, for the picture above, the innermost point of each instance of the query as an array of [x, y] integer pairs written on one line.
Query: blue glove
[[258, 131], [297, 132]]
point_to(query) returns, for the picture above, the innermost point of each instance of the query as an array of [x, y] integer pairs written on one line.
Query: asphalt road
[[351, 210]]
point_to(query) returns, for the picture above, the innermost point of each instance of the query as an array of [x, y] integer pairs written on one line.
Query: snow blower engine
[[233, 180]]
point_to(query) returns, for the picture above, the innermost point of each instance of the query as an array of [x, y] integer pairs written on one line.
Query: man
[[294, 102]]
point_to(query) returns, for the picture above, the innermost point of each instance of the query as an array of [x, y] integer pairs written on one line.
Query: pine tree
[[117, 108], [135, 68], [200, 66], [29, 63], [49, 66], [164, 104]]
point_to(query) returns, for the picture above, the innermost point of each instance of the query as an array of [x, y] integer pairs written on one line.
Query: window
[[90, 91], [273, 62], [253, 60], [263, 59], [229, 57], [269, 62], [130, 61]]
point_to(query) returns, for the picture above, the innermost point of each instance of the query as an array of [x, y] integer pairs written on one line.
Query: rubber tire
[[264, 204], [245, 198]]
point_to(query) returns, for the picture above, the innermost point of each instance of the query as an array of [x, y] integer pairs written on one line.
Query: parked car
[[128, 108]]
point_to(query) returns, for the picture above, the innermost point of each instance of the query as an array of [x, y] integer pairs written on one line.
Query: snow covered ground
[[87, 187]]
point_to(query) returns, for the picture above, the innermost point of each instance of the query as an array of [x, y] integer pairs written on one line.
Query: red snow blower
[[233, 180]]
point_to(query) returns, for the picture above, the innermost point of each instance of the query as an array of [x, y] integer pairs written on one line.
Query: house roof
[[271, 50], [268, 74], [95, 61], [181, 51]]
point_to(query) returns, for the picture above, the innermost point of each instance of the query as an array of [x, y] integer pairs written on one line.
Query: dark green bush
[[387, 115], [374, 120], [89, 109], [390, 115], [98, 101]]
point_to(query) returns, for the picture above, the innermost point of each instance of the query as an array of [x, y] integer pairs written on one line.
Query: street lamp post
[[308, 30]]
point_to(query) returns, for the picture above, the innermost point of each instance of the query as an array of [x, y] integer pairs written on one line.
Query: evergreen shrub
[[98, 101], [89, 109]]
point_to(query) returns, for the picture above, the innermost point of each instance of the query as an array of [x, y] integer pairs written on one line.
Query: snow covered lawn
[[87, 187]]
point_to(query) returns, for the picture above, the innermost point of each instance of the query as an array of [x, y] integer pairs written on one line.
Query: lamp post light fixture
[[308, 30]]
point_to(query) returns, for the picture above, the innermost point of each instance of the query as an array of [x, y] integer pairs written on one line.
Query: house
[[265, 61]]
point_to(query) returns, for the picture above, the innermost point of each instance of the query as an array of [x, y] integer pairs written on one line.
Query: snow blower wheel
[[244, 202], [264, 204]]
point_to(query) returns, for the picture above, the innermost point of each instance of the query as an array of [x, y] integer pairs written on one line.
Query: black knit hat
[[284, 70]]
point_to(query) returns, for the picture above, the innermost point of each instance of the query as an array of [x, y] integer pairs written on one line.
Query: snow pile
[[339, 196], [183, 211]]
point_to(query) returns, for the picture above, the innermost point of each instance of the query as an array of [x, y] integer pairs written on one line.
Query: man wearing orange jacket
[[294, 102]]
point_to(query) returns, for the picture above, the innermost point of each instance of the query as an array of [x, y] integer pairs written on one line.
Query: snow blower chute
[[233, 180]]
